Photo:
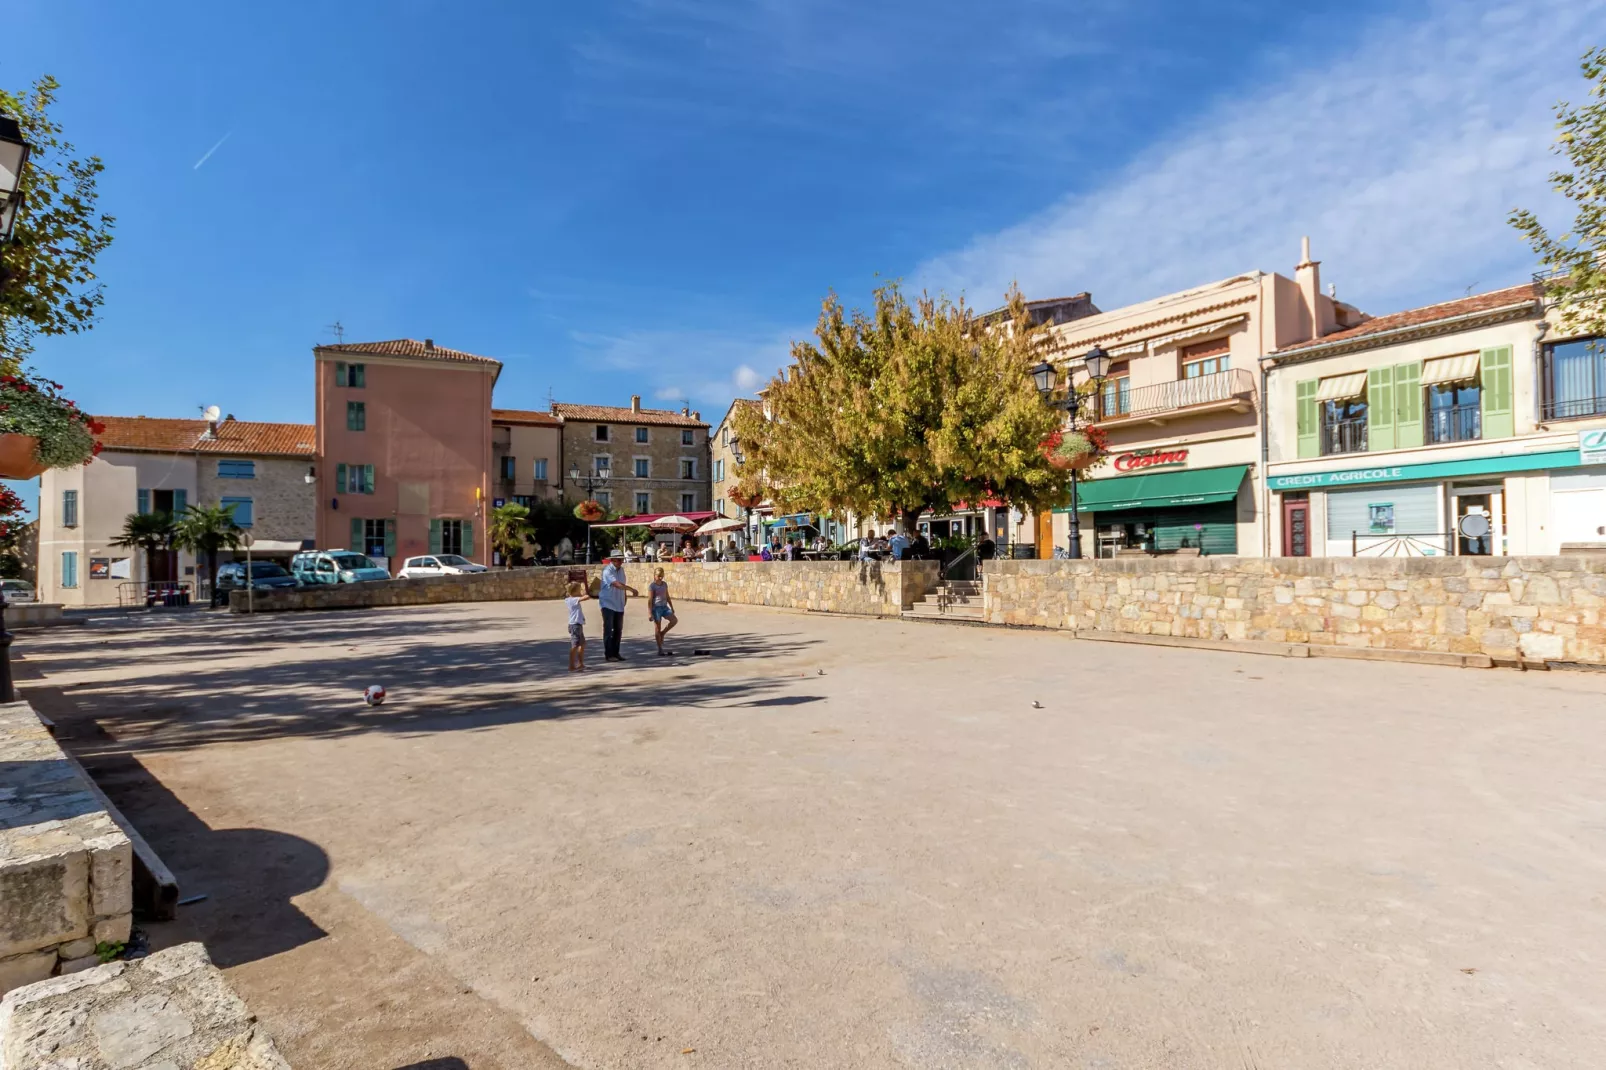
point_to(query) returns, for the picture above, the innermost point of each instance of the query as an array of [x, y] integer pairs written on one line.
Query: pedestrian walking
[[612, 597], [577, 626], [660, 610]]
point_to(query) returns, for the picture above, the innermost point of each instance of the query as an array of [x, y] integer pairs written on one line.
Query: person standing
[[577, 626], [897, 542], [660, 610], [612, 598]]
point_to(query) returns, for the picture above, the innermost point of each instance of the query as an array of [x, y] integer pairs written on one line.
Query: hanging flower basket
[[590, 511], [40, 429], [744, 499], [1074, 449]]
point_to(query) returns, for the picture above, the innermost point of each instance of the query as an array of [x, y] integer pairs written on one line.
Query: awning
[[1341, 387], [1450, 369], [641, 520], [1160, 489], [278, 546]]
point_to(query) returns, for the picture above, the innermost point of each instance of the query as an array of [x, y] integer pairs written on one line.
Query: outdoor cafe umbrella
[[673, 522], [718, 524]]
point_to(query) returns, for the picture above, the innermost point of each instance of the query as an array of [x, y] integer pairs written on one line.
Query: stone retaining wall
[[1530, 608], [496, 585], [66, 869]]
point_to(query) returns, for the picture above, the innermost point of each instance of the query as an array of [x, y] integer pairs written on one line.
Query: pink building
[[403, 448]]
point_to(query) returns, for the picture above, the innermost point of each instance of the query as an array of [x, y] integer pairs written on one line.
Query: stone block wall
[[1530, 608], [496, 585], [66, 869]]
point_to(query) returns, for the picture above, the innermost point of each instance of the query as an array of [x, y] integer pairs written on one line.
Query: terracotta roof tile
[[623, 414], [185, 436], [1420, 317], [409, 347], [524, 416]]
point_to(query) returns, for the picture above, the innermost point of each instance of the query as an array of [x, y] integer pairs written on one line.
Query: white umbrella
[[718, 524], [673, 522]]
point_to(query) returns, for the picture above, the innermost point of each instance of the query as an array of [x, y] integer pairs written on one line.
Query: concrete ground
[[1181, 859]]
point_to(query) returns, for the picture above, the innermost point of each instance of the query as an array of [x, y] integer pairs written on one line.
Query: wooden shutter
[[143, 500], [367, 479], [434, 536], [1380, 409], [340, 373], [356, 536], [340, 479], [1309, 418], [468, 539], [390, 538], [1407, 405], [1499, 414]]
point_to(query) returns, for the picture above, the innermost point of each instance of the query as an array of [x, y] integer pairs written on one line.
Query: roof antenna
[[339, 330]]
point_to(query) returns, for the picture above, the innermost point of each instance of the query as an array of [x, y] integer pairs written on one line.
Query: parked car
[[437, 565], [335, 566], [265, 576], [19, 591]]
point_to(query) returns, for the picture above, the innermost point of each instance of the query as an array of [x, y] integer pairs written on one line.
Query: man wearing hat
[[612, 598]]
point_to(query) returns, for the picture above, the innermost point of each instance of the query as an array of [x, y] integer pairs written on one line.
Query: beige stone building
[[161, 465], [658, 458], [724, 458], [526, 456]]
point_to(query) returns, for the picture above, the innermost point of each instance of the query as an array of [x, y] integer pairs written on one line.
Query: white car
[[437, 565], [19, 591]]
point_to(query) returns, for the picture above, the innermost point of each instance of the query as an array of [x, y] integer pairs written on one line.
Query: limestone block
[[76, 949], [22, 970], [1542, 647], [46, 902], [1499, 641], [85, 962], [111, 875], [113, 930]]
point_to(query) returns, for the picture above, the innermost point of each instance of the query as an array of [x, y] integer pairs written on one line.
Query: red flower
[[96, 427]]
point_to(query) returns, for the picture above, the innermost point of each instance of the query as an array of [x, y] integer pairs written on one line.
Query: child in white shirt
[[577, 627]]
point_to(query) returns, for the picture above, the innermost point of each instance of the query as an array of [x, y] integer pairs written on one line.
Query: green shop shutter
[[468, 539], [367, 479], [144, 502], [390, 538], [1174, 529], [1494, 367], [1310, 424], [356, 536], [340, 479], [1380, 409], [181, 501], [1407, 405], [434, 536]]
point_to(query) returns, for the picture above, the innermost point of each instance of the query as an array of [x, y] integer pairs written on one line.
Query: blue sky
[[651, 196]]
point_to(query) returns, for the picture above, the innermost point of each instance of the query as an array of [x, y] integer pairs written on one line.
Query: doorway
[[1045, 534], [1478, 516], [1296, 525]]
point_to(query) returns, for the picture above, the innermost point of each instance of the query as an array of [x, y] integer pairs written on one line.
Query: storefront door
[[1045, 534], [1296, 527], [1487, 503]]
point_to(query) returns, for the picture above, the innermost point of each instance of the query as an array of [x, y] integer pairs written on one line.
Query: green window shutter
[[181, 501], [367, 479], [144, 502], [1380, 409], [340, 479], [390, 538], [358, 376], [356, 535], [1494, 368], [1407, 405], [468, 539], [340, 373], [434, 536], [1309, 417]]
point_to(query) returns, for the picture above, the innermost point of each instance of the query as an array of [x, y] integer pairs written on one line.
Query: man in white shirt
[[612, 599]]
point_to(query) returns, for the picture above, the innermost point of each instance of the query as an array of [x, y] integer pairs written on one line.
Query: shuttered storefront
[[1212, 528]]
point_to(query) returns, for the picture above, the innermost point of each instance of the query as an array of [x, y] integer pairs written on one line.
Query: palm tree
[[510, 527], [151, 532], [206, 529]]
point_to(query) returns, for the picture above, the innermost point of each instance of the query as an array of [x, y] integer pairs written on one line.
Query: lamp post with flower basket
[[589, 510], [1073, 447]]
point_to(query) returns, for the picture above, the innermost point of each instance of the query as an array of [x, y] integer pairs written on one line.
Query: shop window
[[1575, 379], [1455, 412], [1386, 511], [1344, 426]]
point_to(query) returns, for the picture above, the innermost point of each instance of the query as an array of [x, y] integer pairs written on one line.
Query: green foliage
[[1578, 256], [35, 407], [51, 287], [151, 532], [905, 409], [107, 951], [510, 528], [206, 529]]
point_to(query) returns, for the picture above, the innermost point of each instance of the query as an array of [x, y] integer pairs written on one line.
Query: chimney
[[429, 343], [695, 415], [635, 402], [1318, 307], [685, 410]]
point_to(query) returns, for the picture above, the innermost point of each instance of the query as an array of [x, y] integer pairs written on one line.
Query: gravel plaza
[[842, 842]]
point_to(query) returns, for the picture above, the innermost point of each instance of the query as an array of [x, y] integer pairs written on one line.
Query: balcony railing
[[1344, 436], [1458, 423], [1572, 408], [1232, 385]]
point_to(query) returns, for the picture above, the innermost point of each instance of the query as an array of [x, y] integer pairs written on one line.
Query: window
[[1115, 398], [724, 436], [351, 375], [601, 463], [604, 499], [1344, 425], [1206, 358], [356, 416], [719, 507], [643, 468], [69, 568], [688, 502], [354, 479], [688, 469], [602, 432], [1455, 412], [373, 538], [641, 434], [540, 469], [69, 508], [686, 437], [236, 469], [1575, 379], [510, 468], [522, 499], [241, 508], [643, 502], [719, 470]]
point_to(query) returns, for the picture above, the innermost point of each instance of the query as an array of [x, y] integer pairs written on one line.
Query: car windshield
[[345, 562], [453, 559], [267, 568]]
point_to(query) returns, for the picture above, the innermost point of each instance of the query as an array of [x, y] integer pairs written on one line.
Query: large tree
[[906, 409], [1577, 257], [47, 276]]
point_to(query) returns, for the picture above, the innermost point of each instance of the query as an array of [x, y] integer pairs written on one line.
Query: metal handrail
[[970, 552], [1234, 383]]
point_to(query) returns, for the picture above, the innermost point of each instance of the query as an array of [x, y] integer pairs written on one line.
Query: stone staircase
[[951, 600]]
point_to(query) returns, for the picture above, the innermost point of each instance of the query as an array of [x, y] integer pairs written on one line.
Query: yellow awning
[[1450, 369], [1340, 387]]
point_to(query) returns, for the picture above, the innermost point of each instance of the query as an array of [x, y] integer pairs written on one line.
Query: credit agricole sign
[[1156, 458]]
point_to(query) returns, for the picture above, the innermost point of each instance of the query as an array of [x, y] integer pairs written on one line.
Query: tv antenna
[[338, 329]]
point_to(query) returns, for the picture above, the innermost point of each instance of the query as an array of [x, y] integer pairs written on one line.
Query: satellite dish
[[212, 413], [1474, 526]]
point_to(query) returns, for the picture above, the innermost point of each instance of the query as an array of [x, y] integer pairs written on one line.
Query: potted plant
[[40, 429], [1074, 449], [590, 511]]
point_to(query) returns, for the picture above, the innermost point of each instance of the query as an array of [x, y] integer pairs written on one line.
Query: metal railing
[[1234, 384], [1572, 408], [151, 593], [1402, 544], [1344, 436], [1458, 423]]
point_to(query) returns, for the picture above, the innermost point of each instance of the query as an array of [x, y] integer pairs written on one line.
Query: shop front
[[1156, 506]]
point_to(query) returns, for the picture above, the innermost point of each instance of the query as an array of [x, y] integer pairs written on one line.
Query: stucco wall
[[1538, 608]]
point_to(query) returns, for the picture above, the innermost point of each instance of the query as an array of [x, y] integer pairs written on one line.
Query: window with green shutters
[[1308, 417], [1407, 405], [1380, 408], [356, 534], [1499, 413], [450, 536], [354, 375], [181, 501], [142, 500], [354, 479], [356, 416], [435, 537]]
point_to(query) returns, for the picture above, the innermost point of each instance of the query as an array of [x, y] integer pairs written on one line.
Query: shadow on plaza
[[182, 700]]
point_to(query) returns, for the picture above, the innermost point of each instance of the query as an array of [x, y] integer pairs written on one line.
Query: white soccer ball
[[374, 695]]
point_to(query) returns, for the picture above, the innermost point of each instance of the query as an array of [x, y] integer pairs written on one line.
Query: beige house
[[259, 470], [658, 459], [526, 456]]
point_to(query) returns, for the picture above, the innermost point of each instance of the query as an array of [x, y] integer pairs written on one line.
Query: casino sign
[[1139, 460]]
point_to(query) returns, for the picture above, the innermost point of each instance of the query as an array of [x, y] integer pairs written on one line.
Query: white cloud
[[669, 393], [726, 363], [1400, 158]]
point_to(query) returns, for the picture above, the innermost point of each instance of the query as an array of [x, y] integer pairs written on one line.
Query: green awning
[[1194, 486]]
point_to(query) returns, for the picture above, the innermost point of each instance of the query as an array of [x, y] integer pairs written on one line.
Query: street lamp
[[13, 162], [590, 481], [1044, 375]]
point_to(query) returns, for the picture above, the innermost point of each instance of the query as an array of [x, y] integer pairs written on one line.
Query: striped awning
[[1450, 369], [1340, 387]]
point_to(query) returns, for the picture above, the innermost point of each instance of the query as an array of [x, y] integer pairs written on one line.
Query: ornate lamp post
[[1045, 374], [590, 481], [13, 162]]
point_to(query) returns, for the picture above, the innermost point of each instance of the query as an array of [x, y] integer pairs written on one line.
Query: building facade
[[1464, 428], [725, 467], [658, 459], [526, 456], [403, 448], [1181, 407], [257, 470]]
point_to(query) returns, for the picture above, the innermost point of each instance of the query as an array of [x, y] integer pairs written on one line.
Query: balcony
[[1457, 423], [1572, 408], [1231, 391], [1344, 436]]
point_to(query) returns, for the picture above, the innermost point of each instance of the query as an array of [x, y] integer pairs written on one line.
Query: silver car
[[19, 591]]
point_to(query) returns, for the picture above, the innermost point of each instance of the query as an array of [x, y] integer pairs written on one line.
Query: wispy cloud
[[1401, 159], [211, 150], [707, 367]]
